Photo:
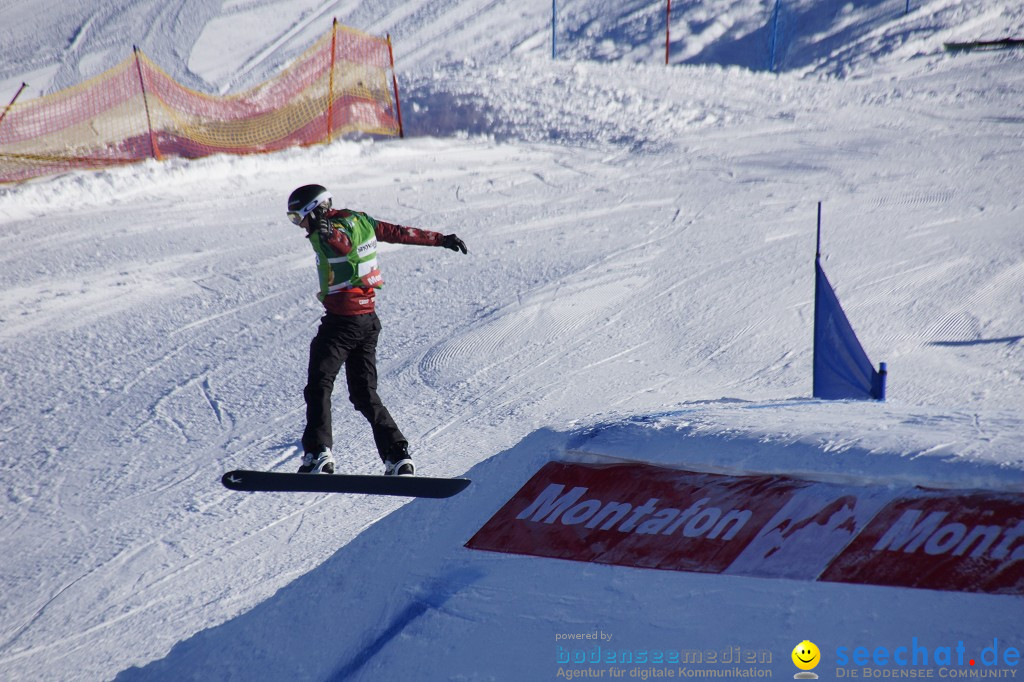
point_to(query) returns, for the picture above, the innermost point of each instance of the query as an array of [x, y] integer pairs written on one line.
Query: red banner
[[633, 514], [942, 541]]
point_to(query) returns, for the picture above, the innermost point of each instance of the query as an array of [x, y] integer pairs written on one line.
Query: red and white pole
[[394, 84]]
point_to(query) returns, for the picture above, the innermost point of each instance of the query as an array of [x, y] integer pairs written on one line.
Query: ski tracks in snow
[[598, 280]]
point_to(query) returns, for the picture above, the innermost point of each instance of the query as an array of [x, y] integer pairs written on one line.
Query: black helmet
[[302, 201]]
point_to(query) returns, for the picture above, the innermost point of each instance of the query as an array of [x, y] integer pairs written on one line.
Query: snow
[[639, 285]]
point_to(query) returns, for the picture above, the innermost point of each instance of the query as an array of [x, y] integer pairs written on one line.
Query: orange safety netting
[[136, 111]]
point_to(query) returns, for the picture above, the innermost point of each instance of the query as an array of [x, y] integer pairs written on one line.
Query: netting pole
[[330, 82], [668, 20], [145, 102], [554, 29], [817, 252], [11, 104], [774, 34], [394, 84]]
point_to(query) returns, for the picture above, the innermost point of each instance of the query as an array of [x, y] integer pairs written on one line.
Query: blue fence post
[[817, 250], [907, 11], [775, 34], [554, 26], [883, 374]]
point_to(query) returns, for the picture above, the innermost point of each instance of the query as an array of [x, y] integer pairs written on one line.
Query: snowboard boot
[[322, 463], [398, 463]]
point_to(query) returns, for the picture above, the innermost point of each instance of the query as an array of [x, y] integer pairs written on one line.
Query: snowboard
[[403, 486]]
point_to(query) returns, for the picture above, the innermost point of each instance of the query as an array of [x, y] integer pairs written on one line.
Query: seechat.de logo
[[806, 656]]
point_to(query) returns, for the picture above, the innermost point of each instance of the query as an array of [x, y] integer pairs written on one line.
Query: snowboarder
[[345, 243]]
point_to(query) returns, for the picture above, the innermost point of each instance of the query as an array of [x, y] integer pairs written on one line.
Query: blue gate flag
[[841, 367]]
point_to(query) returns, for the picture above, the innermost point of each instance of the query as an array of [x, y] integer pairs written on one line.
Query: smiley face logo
[[806, 655]]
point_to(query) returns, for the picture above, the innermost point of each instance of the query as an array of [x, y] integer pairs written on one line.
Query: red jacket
[[360, 300]]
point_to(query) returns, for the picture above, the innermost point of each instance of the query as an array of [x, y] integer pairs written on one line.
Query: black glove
[[318, 222], [450, 241]]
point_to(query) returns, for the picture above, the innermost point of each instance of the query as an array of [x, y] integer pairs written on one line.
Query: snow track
[[641, 243]]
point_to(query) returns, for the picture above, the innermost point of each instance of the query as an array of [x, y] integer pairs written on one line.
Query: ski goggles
[[298, 216]]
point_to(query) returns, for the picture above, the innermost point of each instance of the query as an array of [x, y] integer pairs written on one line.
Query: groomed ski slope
[[639, 281]]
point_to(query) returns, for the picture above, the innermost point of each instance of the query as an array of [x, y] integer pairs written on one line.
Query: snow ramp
[[407, 599]]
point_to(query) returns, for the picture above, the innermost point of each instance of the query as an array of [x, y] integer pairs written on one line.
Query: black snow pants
[[350, 341]]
